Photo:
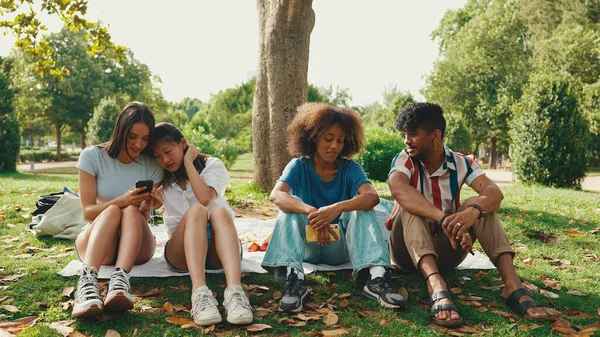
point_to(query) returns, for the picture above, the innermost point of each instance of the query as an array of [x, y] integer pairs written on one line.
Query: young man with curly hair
[[321, 187], [431, 230]]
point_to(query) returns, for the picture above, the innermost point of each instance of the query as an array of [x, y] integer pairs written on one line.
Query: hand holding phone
[[148, 184]]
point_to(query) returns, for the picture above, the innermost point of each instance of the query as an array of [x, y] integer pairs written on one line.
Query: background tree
[[9, 127], [284, 29], [101, 125]]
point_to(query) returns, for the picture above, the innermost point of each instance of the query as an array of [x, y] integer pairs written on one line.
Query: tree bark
[[58, 127], [493, 154], [281, 81], [83, 144]]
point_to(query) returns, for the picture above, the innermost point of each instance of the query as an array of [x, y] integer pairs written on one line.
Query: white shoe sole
[[240, 320], [118, 300], [208, 320], [90, 308]]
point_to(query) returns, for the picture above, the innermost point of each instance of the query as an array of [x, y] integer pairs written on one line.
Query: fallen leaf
[[548, 293], [23, 321], [344, 303], [112, 333], [573, 233], [482, 309], [22, 256], [258, 327], [330, 319], [168, 308], [384, 322], [554, 284], [471, 298], [344, 295], [296, 323], [11, 277], [24, 244], [479, 275], [61, 328], [149, 293], [402, 291], [178, 320], [336, 332], [67, 291], [527, 327], [277, 295], [502, 313], [528, 261], [563, 326], [10, 308], [368, 313], [552, 312], [76, 333], [456, 290], [576, 292]]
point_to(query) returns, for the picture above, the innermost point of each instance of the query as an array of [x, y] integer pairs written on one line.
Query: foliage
[[207, 143], [100, 127], [381, 148], [44, 155], [385, 116], [190, 106], [336, 96], [590, 106], [9, 127], [549, 135], [457, 136], [22, 20]]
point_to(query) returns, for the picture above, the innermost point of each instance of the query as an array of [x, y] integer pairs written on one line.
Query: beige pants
[[411, 239]]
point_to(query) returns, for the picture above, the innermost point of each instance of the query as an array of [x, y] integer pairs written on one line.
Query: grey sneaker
[[295, 293], [237, 306], [118, 295], [87, 296], [382, 289], [204, 307]]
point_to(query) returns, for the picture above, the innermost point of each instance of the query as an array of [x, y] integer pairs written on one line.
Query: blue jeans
[[361, 243]]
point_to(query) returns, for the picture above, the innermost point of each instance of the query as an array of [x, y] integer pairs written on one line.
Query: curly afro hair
[[428, 115], [314, 118]]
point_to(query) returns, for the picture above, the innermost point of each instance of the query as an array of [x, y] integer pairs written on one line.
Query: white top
[[177, 201], [113, 177]]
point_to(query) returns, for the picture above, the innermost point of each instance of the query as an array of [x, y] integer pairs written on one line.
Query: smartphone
[[311, 233], [144, 183]]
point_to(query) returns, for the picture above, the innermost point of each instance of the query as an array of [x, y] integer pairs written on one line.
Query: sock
[[376, 271], [298, 272]]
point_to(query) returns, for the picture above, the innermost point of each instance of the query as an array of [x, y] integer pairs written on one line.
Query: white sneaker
[[204, 307], [118, 295], [87, 296], [237, 306]]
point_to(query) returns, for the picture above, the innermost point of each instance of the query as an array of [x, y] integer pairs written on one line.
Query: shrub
[[549, 137], [224, 149], [458, 137], [100, 126], [9, 126], [381, 148], [44, 155]]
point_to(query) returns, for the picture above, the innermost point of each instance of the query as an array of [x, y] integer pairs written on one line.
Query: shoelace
[[239, 300], [88, 286], [119, 281], [293, 284], [205, 302]]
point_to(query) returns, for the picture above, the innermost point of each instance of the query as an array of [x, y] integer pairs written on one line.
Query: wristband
[[441, 222], [480, 209]]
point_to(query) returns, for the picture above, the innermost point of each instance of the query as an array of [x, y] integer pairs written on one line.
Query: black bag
[[46, 202]]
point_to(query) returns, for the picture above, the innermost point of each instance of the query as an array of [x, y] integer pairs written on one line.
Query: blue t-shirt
[[306, 184]]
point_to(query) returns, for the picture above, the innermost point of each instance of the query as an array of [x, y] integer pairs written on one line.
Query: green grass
[[525, 212], [243, 163]]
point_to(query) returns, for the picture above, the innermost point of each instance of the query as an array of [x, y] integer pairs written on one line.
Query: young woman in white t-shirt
[[200, 225], [118, 233]]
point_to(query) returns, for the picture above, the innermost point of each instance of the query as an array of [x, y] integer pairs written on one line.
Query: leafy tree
[[336, 96], [190, 106], [549, 135], [483, 64], [22, 20], [103, 121], [9, 127], [457, 136]]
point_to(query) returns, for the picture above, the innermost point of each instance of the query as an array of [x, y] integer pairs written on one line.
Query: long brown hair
[[167, 132], [134, 112]]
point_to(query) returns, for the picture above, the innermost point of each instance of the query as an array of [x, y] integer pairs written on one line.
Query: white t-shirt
[[114, 178], [177, 201]]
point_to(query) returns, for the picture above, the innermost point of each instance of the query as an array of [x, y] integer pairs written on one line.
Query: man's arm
[[410, 199]]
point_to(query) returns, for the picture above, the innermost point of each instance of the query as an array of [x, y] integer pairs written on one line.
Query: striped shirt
[[442, 187]]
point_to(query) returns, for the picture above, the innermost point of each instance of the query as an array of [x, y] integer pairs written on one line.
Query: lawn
[[554, 232]]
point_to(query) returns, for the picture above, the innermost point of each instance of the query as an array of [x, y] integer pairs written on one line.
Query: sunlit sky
[[200, 47]]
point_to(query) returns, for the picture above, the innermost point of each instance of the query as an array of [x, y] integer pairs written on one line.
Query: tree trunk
[[82, 141], [58, 132], [493, 154], [281, 82]]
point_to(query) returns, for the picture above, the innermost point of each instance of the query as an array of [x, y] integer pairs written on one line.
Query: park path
[[502, 177]]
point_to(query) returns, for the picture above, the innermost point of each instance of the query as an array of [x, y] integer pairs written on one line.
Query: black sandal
[[442, 307], [520, 308]]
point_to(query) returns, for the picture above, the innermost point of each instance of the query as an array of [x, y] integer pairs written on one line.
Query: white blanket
[[249, 229]]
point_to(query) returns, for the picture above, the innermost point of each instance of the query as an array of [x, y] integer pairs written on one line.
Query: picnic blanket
[[250, 229]]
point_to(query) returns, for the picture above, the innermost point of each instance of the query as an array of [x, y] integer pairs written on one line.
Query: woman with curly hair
[[320, 188]]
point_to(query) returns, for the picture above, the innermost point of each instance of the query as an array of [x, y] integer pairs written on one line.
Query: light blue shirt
[[114, 178], [306, 184]]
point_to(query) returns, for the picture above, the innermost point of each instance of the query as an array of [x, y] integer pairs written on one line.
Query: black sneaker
[[295, 293], [382, 289]]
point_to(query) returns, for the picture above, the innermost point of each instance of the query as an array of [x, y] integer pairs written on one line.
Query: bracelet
[[441, 222], [480, 209]]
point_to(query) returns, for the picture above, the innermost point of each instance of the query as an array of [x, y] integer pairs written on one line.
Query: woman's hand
[[155, 199], [133, 197], [191, 154], [322, 218]]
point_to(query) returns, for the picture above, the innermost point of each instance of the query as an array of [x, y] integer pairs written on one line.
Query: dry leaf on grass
[[112, 333], [573, 233], [149, 293], [19, 324], [76, 333], [11, 277], [548, 293], [24, 244], [344, 303], [551, 283], [258, 327], [330, 319], [67, 291], [456, 290], [576, 293], [262, 312], [297, 324], [10, 308], [563, 326], [178, 320], [502, 313], [402, 291], [22, 256], [168, 308], [336, 332], [527, 327], [344, 295], [277, 295]]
